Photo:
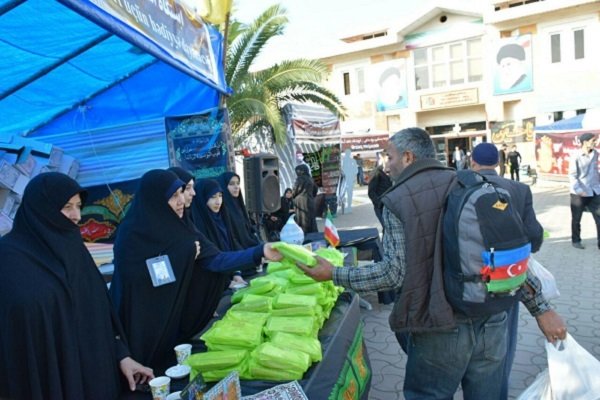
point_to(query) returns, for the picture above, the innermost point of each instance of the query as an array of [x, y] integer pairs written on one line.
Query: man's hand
[[552, 326], [270, 253], [323, 271], [135, 372]]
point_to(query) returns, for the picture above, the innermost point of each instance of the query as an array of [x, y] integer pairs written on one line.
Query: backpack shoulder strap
[[468, 178]]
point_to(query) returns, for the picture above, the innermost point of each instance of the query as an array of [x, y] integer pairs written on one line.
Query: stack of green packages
[[270, 333]]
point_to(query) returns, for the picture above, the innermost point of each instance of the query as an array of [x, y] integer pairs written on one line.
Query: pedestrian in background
[[502, 159], [379, 183], [360, 174], [584, 187], [514, 161]]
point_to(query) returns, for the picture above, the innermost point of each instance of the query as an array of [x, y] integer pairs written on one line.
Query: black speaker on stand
[[261, 184]]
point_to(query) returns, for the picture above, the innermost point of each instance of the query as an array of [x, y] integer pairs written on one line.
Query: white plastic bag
[[549, 288], [539, 389], [573, 371], [291, 232]]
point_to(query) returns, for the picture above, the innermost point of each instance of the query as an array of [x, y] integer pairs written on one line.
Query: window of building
[[360, 80], [346, 83], [578, 39], [449, 64], [558, 115], [555, 47], [580, 111]]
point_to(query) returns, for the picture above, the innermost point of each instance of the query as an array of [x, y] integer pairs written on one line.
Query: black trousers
[[514, 169], [578, 206]]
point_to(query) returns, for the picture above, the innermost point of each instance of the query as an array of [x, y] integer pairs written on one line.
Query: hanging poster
[[513, 68], [390, 85], [513, 131], [198, 143]]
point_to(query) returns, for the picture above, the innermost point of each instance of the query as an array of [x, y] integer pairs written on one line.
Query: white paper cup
[[182, 352], [160, 387]]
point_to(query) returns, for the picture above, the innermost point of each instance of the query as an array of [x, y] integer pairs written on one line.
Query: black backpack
[[486, 248]]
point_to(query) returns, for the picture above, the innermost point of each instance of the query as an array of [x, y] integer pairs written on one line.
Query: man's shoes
[[578, 245]]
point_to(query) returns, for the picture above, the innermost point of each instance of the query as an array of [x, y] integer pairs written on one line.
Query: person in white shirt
[[584, 179]]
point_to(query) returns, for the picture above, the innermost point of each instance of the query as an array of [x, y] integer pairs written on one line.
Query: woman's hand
[[270, 253], [135, 372], [197, 249]]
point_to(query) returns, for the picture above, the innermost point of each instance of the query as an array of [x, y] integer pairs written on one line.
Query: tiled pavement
[[577, 273]]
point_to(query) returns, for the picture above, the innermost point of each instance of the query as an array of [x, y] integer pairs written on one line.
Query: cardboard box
[[5, 224], [7, 201], [26, 162], [15, 206], [69, 165], [55, 157], [11, 178]]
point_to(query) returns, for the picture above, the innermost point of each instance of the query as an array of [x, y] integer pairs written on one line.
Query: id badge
[[160, 270]]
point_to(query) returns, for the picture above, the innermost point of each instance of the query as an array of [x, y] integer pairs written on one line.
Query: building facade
[[487, 73]]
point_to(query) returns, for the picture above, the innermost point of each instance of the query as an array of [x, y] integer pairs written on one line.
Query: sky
[[315, 25]]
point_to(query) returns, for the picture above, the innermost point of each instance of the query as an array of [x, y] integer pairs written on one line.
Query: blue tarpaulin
[[66, 81]]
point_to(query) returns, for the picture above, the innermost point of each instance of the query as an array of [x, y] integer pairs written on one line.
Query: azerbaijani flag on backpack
[[330, 232]]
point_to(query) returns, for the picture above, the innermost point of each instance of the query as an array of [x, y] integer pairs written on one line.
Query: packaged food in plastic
[[297, 325], [285, 300], [212, 360], [269, 355], [257, 371], [296, 252], [305, 344], [236, 333]]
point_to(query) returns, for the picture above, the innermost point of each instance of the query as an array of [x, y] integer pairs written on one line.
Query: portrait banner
[[513, 67], [390, 90]]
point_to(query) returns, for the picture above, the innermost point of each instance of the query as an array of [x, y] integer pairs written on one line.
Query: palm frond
[[251, 41]]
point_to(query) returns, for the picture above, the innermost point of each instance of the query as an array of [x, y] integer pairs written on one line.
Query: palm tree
[[258, 97]]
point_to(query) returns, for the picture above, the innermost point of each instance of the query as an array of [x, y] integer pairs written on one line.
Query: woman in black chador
[[304, 194], [156, 253], [59, 335], [245, 233]]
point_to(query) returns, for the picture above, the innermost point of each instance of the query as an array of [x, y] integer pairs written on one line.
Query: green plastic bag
[[301, 279], [294, 312], [311, 289], [296, 253], [286, 300], [246, 316], [258, 372], [334, 256], [308, 345], [214, 360], [218, 374], [259, 289], [252, 306], [269, 355], [239, 334], [297, 325]]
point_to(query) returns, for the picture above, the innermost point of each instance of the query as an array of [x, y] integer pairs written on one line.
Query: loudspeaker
[[261, 183]]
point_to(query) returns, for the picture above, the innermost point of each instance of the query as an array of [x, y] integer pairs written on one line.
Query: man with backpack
[[519, 197], [441, 346]]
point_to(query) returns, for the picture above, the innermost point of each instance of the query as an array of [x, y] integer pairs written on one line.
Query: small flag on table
[[330, 232]]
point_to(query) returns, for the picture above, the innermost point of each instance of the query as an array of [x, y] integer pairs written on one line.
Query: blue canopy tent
[[67, 81]]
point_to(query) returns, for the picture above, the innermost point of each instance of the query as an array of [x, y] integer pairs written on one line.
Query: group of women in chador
[[63, 335]]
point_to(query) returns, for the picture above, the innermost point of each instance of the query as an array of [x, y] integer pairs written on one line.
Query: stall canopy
[[67, 81]]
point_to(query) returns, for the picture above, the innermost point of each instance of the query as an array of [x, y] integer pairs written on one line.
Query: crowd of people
[[183, 241]]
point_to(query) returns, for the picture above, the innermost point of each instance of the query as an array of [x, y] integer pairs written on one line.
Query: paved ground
[[577, 273]]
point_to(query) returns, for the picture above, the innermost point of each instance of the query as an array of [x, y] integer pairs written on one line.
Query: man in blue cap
[[484, 161]]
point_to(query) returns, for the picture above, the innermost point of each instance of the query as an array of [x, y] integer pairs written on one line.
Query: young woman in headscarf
[[245, 232], [59, 335], [304, 193], [156, 252], [212, 220], [188, 192]]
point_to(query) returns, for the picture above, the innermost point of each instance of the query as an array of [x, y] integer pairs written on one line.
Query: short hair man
[[412, 261], [484, 160], [584, 181]]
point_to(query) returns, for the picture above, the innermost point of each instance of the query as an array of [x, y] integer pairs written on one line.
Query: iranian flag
[[330, 232]]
